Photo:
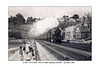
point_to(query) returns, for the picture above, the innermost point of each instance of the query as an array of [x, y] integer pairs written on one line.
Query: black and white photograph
[[49, 33]]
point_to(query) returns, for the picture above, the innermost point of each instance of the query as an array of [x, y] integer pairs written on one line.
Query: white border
[[4, 30]]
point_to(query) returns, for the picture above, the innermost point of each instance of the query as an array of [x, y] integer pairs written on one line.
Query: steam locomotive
[[55, 35]]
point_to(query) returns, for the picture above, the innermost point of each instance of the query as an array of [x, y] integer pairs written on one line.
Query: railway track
[[66, 52], [64, 56], [80, 46]]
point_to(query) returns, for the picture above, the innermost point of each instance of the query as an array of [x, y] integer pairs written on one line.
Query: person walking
[[24, 46], [21, 53]]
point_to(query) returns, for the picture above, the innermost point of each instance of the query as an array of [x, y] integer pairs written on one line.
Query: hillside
[[23, 29]]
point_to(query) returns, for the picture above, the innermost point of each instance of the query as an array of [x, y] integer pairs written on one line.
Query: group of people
[[27, 49]]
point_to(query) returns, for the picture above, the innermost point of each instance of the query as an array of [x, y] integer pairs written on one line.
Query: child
[[24, 46]]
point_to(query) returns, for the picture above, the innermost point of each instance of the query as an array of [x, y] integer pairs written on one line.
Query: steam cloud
[[42, 26]]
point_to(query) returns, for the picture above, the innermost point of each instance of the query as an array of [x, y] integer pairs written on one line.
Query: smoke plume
[[42, 26]]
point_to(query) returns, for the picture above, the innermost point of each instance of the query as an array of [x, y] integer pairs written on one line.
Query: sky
[[41, 12]]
